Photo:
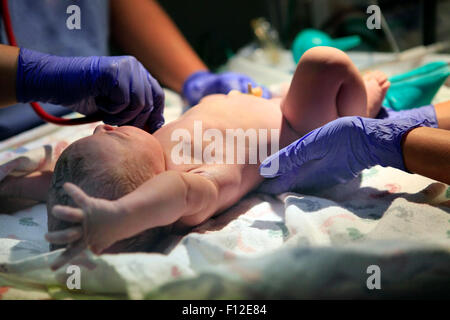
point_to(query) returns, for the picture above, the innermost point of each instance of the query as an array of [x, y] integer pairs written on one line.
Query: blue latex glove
[[337, 153], [426, 113], [120, 87], [203, 83]]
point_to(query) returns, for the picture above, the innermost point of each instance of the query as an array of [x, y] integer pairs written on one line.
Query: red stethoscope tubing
[[36, 107]]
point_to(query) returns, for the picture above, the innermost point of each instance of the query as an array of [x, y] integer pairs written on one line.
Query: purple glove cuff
[[337, 152], [27, 79], [386, 137], [39, 77], [120, 86], [426, 112]]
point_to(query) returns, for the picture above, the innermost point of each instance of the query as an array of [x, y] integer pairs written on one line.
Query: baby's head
[[109, 164]]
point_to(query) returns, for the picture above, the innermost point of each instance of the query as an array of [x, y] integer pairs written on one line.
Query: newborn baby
[[127, 183]]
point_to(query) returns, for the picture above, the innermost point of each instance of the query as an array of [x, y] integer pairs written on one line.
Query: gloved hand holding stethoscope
[[118, 87], [117, 90]]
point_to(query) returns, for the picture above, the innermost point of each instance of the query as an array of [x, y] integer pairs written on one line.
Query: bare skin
[[225, 111], [443, 114], [327, 77], [377, 85], [186, 194], [143, 29], [8, 68], [426, 151]]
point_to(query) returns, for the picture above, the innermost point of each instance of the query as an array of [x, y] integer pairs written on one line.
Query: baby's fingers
[[68, 214], [8, 167], [70, 253], [78, 195], [64, 236]]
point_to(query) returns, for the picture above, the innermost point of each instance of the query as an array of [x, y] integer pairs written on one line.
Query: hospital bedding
[[290, 246]]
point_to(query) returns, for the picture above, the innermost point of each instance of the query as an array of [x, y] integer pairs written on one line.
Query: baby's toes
[[380, 76]]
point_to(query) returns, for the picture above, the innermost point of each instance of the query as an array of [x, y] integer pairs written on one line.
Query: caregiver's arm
[[341, 149], [442, 110], [146, 31], [120, 88], [426, 151], [337, 152], [8, 69]]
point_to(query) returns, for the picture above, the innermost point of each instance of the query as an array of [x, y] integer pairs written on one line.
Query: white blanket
[[292, 246]]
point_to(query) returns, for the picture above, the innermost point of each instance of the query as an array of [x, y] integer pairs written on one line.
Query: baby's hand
[[7, 168], [8, 185], [96, 219]]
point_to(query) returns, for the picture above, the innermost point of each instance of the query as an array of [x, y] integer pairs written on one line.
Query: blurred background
[[218, 29]]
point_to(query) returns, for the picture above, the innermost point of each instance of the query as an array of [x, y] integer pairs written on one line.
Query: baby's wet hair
[[100, 181]]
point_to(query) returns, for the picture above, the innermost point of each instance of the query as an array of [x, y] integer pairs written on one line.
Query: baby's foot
[[377, 84]]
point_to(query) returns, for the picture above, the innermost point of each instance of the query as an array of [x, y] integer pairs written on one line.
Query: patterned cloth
[[292, 246]]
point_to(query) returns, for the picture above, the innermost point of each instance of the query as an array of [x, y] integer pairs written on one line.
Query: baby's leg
[[325, 86]]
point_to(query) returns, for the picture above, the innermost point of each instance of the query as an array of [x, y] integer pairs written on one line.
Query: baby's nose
[[103, 128]]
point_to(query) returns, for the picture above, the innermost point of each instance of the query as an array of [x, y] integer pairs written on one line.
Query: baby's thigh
[[318, 82], [311, 98]]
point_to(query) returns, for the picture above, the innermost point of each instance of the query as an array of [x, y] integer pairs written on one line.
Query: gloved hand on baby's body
[[338, 151], [119, 87], [203, 83], [423, 113]]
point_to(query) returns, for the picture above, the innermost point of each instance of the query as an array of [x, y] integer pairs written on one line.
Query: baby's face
[[126, 133], [109, 142]]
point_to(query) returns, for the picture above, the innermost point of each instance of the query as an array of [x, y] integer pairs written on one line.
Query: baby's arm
[[166, 198], [28, 176], [188, 198], [169, 197], [31, 187], [17, 193]]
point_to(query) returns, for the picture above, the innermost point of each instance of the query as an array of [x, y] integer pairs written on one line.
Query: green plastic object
[[417, 87], [309, 38]]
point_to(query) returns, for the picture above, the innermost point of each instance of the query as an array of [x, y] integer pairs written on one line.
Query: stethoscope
[[36, 106]]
